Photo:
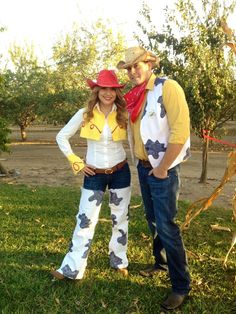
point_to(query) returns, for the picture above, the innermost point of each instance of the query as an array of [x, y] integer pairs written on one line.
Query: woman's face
[[107, 96]]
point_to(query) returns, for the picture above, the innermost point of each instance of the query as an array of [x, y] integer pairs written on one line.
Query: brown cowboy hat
[[137, 54], [106, 78]]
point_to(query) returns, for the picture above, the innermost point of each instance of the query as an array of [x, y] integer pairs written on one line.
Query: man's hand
[[158, 173], [170, 155]]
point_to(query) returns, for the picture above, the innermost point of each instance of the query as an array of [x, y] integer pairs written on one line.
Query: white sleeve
[[68, 131]]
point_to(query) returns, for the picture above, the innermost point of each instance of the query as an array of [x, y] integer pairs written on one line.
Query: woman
[[104, 124]]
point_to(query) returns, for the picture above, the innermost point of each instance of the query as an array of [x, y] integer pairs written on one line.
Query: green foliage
[[36, 227], [4, 132], [24, 87], [192, 51], [77, 56], [53, 92]]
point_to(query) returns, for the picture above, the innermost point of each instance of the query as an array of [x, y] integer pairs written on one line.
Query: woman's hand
[[88, 170]]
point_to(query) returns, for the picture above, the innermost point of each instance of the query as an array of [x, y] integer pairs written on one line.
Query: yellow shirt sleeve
[[177, 112]]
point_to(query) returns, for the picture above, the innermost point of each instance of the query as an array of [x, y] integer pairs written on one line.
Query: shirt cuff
[[76, 162]]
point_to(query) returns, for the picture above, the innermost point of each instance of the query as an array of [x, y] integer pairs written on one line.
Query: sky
[[41, 22]]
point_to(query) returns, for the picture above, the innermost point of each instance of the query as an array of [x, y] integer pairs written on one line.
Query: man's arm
[[179, 122]]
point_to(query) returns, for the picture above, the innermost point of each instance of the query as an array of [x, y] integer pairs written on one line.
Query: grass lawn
[[36, 225]]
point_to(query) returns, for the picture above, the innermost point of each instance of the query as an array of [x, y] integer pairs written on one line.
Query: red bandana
[[134, 100]]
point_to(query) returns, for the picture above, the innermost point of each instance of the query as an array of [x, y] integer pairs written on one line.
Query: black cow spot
[[113, 219], [97, 195], [187, 154], [154, 148], [123, 238], [115, 260], [163, 110], [114, 199], [159, 80], [87, 251], [66, 270], [70, 246], [85, 222]]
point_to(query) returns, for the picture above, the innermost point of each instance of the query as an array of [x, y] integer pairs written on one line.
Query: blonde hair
[[121, 116]]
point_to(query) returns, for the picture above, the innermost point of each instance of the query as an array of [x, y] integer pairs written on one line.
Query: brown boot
[[123, 271], [57, 275], [173, 301], [151, 271]]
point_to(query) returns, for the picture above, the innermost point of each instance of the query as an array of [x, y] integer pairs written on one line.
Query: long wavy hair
[[121, 116]]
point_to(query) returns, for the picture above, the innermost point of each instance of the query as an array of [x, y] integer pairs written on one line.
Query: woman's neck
[[105, 109]]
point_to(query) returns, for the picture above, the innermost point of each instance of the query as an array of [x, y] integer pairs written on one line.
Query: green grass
[[36, 225]]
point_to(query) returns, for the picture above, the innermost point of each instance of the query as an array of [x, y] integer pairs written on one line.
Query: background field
[[40, 162]]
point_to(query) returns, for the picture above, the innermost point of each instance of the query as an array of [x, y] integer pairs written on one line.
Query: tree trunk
[[205, 146], [3, 170], [23, 133]]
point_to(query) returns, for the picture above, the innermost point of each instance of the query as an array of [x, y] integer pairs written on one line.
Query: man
[[161, 132]]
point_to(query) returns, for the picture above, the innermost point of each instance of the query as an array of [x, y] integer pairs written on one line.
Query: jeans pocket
[[159, 179]]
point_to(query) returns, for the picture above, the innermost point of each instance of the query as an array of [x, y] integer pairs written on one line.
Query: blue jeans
[[117, 180], [160, 202]]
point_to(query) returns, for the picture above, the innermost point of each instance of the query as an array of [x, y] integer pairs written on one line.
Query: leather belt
[[112, 169], [145, 163]]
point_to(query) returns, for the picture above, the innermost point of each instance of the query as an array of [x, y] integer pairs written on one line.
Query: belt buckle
[[108, 171]]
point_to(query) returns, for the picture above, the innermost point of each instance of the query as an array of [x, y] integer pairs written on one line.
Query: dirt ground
[[40, 162]]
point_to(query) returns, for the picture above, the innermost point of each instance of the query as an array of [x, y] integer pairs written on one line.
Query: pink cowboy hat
[[106, 78]]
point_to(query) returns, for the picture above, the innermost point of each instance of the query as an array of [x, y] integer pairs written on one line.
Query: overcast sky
[[41, 21]]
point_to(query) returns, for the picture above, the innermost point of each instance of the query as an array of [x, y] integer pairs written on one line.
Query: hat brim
[[147, 57], [122, 65], [93, 84]]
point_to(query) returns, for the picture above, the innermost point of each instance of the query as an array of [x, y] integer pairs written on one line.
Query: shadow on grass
[[30, 289], [26, 286]]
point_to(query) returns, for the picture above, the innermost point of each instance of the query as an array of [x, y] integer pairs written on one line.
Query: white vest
[[155, 130]]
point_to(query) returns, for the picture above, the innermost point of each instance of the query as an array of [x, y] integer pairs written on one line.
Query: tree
[[4, 140], [25, 88], [52, 92], [4, 130], [77, 56], [192, 50]]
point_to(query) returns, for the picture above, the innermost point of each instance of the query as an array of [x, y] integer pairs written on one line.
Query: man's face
[[139, 72]]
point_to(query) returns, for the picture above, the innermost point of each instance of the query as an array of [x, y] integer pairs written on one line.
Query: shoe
[[123, 271], [173, 301], [151, 271], [57, 275]]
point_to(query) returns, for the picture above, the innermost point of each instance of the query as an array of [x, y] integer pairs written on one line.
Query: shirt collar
[[150, 83], [114, 107]]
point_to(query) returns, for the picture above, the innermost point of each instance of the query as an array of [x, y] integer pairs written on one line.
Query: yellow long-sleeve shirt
[[177, 112]]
